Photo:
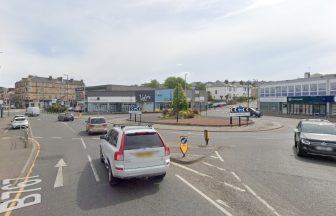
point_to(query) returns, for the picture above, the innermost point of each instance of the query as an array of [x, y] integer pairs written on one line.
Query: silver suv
[[134, 152]]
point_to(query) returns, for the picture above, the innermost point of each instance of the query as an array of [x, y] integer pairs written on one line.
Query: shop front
[[310, 105]]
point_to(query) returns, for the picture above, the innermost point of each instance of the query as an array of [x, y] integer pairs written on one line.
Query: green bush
[[56, 108]]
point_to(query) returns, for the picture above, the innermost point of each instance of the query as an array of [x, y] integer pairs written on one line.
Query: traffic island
[[193, 155]]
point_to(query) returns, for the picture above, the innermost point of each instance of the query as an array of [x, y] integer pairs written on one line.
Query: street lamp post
[[67, 83], [177, 105]]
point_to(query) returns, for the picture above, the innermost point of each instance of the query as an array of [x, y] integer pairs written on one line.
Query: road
[[250, 174]]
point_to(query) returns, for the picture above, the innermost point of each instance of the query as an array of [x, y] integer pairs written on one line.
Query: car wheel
[[101, 156], [159, 178], [299, 151], [112, 180]]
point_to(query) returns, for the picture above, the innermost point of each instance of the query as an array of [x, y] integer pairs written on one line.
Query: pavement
[[248, 174]]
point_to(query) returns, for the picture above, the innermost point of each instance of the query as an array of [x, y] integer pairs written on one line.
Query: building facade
[[223, 91], [311, 95], [43, 92], [7, 95], [119, 98]]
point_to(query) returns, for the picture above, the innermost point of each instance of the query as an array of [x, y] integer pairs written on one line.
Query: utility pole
[[248, 94], [177, 105], [67, 88]]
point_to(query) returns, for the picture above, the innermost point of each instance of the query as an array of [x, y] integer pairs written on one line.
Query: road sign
[[240, 114], [134, 109], [184, 144]]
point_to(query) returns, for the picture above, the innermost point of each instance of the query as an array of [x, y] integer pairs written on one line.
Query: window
[[267, 93], [278, 90], [262, 92], [333, 88], [297, 90], [322, 89], [305, 90], [313, 89], [142, 140], [284, 90], [272, 92], [290, 90], [215, 91], [113, 137]]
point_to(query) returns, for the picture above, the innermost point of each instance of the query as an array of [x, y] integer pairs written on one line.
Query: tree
[[153, 84], [200, 86], [210, 98], [171, 82], [180, 102]]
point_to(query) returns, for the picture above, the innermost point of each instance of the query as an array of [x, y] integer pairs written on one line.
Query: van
[[33, 111]]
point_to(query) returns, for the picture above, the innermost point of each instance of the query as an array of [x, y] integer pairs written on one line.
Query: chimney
[[307, 75]]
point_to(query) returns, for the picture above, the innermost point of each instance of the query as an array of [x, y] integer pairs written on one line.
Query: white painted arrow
[[59, 177]]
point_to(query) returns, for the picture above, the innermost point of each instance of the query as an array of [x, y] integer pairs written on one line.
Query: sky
[[134, 41]]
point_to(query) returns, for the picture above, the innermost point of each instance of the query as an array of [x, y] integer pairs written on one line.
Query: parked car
[[317, 137], [33, 111], [65, 117], [134, 152], [254, 112], [20, 122], [96, 125]]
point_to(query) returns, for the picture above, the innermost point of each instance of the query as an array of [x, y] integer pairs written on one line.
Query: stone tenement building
[[44, 91]]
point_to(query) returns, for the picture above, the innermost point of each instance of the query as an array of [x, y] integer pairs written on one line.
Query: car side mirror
[[296, 130], [103, 137]]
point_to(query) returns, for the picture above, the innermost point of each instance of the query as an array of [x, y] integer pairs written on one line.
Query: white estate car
[[134, 152], [20, 122]]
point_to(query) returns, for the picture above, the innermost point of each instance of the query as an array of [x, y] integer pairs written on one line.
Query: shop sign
[[311, 99], [145, 96]]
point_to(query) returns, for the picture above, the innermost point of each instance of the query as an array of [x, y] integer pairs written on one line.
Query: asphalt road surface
[[250, 174]]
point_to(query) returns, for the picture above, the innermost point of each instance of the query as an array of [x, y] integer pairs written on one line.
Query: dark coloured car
[[65, 117], [254, 112], [316, 137]]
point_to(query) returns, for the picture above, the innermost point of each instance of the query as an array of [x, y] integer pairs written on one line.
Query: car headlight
[[305, 141]]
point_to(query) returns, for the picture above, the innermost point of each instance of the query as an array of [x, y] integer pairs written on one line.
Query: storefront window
[[313, 89], [322, 89], [284, 90], [278, 90], [290, 90], [298, 90], [305, 90]]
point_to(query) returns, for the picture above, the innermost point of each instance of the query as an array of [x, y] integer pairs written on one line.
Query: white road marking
[[234, 187], [83, 143], [76, 138], [261, 200], [223, 203], [236, 176], [189, 169], [59, 177], [38, 137], [93, 169], [5, 138], [210, 165], [220, 157], [214, 157], [56, 137], [223, 210], [5, 131], [95, 138], [70, 127]]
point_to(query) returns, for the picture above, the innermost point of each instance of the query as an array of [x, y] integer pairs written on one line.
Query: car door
[[111, 144]]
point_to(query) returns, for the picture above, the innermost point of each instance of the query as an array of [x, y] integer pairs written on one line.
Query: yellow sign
[[184, 144]]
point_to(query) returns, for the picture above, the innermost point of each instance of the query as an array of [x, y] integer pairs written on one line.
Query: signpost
[[239, 112], [184, 144], [134, 109]]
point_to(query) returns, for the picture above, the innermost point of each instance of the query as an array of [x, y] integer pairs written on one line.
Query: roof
[[317, 121], [51, 79], [311, 78], [111, 87]]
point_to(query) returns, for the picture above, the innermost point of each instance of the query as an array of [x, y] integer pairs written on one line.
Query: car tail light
[[167, 151], [104, 125], [119, 156], [91, 126]]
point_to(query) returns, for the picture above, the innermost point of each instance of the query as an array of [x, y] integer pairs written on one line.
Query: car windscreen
[[142, 140], [98, 121], [319, 128], [68, 115]]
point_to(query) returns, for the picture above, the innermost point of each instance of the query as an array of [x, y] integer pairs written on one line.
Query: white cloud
[[135, 41]]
